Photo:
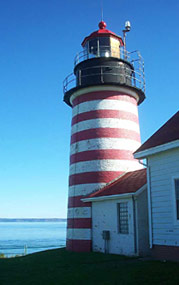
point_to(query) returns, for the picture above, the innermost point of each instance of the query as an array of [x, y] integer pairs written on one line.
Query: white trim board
[[156, 149]]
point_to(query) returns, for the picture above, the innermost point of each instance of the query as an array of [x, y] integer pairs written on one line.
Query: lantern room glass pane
[[104, 47], [99, 46], [104, 42], [93, 46]]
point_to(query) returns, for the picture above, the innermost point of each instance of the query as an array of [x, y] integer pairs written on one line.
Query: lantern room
[[104, 60], [102, 43]]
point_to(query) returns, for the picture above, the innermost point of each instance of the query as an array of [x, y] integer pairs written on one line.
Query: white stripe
[[80, 234], [105, 105], [105, 123], [84, 189], [79, 212], [104, 143], [104, 165]]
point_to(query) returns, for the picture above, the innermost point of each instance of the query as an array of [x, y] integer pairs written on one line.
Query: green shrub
[[2, 255]]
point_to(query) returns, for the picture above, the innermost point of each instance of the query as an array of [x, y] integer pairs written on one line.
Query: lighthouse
[[104, 91]]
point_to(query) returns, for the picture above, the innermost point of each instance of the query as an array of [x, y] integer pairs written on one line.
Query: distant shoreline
[[32, 220]]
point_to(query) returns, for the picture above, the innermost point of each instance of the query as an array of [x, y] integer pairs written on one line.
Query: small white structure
[[120, 215], [162, 153]]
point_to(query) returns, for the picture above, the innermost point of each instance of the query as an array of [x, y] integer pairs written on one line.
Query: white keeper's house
[[162, 153]]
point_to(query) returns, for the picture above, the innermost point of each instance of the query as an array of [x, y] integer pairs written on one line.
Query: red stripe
[[93, 177], [101, 154], [104, 114], [83, 223], [100, 95], [79, 245], [76, 202], [104, 133]]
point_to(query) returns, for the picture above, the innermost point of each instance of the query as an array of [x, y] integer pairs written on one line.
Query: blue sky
[[39, 39]]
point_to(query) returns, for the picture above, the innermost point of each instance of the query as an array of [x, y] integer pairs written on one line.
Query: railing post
[[101, 73], [143, 75], [125, 76], [79, 77], [133, 76], [98, 51]]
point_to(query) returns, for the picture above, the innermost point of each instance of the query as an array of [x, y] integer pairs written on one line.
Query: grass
[[62, 267]]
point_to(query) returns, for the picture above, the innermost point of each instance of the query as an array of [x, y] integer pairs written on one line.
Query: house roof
[[128, 183], [169, 132]]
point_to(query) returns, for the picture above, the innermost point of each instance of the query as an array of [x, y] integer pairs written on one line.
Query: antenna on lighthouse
[[126, 30], [101, 10]]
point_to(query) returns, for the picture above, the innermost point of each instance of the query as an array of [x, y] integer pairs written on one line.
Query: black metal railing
[[118, 74]]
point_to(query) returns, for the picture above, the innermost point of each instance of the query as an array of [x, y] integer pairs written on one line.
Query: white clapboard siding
[[166, 223], [167, 232], [163, 204], [157, 171], [163, 167], [161, 188], [167, 236], [160, 209], [160, 183], [160, 194], [167, 157], [156, 179], [165, 242], [162, 216], [160, 198]]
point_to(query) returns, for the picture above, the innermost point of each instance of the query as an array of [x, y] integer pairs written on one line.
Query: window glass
[[104, 42], [177, 197], [93, 46], [123, 218], [104, 46]]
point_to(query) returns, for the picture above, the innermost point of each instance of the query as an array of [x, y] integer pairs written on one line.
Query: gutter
[[149, 205], [135, 225], [149, 201]]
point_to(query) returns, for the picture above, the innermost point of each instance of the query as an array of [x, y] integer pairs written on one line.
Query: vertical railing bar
[[79, 74]]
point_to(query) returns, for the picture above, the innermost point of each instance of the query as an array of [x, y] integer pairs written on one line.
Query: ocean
[[18, 238]]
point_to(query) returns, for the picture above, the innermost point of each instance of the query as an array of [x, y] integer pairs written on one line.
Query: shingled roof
[[128, 183], [167, 133]]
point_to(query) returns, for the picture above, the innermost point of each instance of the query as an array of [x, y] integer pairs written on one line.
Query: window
[[104, 47], [177, 197], [175, 200], [99, 46], [104, 42], [93, 46], [123, 218]]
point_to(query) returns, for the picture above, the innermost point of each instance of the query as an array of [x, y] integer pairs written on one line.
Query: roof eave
[[154, 150], [114, 197]]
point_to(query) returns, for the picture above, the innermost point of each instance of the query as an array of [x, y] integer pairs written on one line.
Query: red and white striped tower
[[105, 127]]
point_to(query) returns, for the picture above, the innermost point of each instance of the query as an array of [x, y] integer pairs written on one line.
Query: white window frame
[[175, 220]]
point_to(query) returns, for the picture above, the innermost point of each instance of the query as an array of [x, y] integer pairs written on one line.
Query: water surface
[[22, 237]]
